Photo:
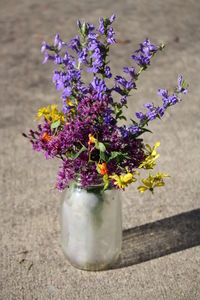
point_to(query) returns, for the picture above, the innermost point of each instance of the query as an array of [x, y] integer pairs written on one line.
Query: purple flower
[[82, 89], [152, 112], [127, 85], [134, 129], [85, 28], [98, 53], [75, 44], [147, 48], [94, 110], [58, 80], [57, 59], [161, 110], [58, 42], [112, 18], [168, 99], [150, 106], [47, 57], [130, 71], [109, 119], [67, 92], [99, 86], [173, 99], [107, 72], [101, 27], [124, 132], [92, 36], [94, 69], [79, 24], [141, 60], [90, 27], [141, 116], [45, 47], [83, 56], [145, 53], [181, 86], [163, 93], [110, 36], [67, 108], [65, 175], [123, 100]]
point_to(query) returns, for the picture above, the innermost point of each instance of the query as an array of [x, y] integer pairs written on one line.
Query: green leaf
[[107, 144], [117, 155], [118, 114], [83, 29], [146, 130], [96, 144], [79, 152], [106, 186], [134, 122], [123, 118], [102, 147], [185, 84], [102, 156], [55, 125]]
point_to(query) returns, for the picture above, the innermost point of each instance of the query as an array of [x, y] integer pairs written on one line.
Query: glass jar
[[91, 226]]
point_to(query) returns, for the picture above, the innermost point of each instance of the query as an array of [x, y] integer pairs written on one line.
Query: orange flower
[[103, 168], [92, 139], [46, 137]]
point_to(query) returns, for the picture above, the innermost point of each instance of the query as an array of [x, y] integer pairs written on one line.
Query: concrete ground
[[161, 253]]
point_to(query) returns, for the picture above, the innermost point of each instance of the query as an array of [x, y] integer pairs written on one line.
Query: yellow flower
[[43, 111], [92, 139], [52, 113], [54, 109], [69, 102], [149, 161], [57, 115], [152, 181], [123, 181]]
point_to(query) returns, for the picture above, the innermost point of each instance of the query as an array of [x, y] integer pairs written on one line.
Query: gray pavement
[[161, 253]]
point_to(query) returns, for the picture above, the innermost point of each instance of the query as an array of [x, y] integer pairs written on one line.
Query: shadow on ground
[[160, 238]]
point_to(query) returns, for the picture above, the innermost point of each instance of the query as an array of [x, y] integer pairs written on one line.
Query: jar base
[[92, 267]]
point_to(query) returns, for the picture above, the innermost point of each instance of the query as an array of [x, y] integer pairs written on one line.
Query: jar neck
[[96, 187]]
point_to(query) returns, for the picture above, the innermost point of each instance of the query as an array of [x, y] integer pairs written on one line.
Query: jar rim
[[79, 184], [78, 180]]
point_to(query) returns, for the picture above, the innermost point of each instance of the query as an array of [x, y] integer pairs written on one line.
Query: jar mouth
[[99, 183], [91, 186], [96, 188]]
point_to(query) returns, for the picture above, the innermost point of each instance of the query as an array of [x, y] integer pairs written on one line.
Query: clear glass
[[91, 226]]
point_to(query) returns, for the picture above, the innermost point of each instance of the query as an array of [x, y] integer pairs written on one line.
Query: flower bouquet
[[98, 153]]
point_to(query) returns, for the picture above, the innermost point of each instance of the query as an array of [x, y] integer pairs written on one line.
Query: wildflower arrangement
[[86, 134]]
